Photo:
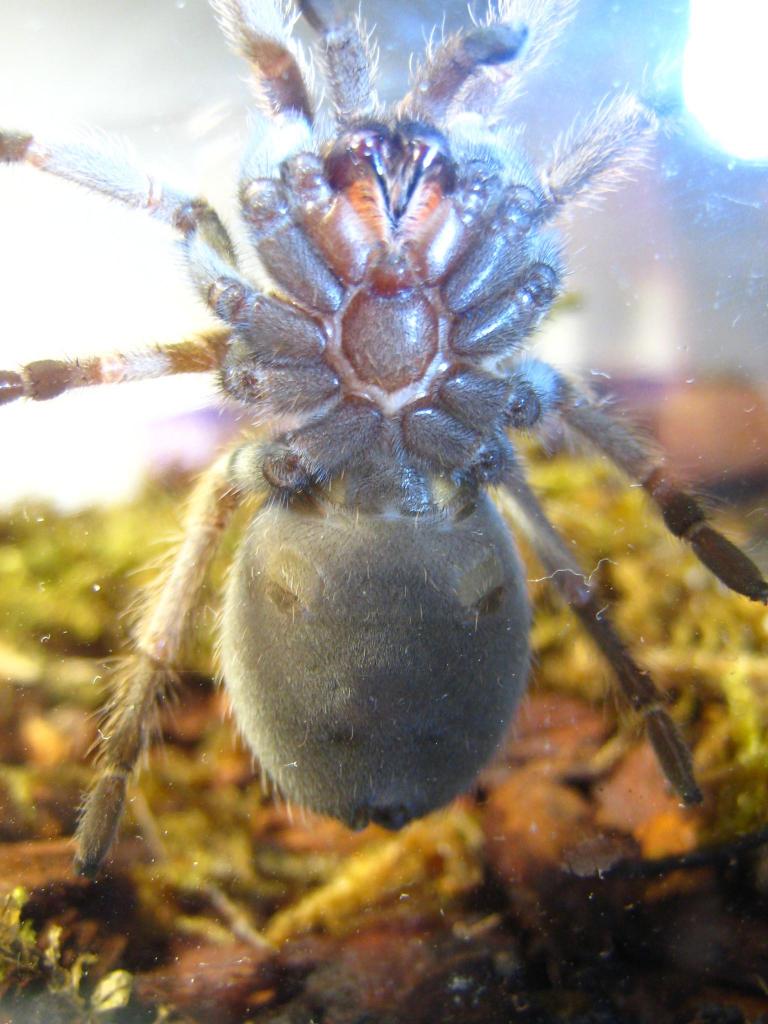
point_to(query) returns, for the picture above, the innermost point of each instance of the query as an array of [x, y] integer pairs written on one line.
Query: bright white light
[[725, 74]]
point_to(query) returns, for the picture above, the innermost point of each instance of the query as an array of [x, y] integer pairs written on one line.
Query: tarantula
[[374, 635]]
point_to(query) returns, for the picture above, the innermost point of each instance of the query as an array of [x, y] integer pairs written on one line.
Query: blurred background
[[669, 273]]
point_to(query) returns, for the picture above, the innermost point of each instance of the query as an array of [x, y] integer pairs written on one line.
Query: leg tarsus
[[99, 821], [492, 91], [599, 153], [685, 518], [260, 31], [729, 563], [673, 754], [131, 717]]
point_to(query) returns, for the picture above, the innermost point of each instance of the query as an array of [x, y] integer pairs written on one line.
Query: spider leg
[[276, 343], [455, 61], [285, 249], [682, 512], [495, 88], [597, 155], [635, 683], [349, 449], [149, 671], [48, 378], [104, 166], [539, 389], [208, 250], [325, 447], [260, 31], [349, 60]]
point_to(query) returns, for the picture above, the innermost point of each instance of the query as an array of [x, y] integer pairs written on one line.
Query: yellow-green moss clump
[[705, 645], [226, 858]]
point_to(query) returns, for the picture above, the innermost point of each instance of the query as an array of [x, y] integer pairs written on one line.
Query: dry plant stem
[[635, 683], [49, 378], [234, 917], [148, 672], [682, 512]]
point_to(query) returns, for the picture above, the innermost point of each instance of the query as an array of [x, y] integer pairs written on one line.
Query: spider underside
[[410, 262]]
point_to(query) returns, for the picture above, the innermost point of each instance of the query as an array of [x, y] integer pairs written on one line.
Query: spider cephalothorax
[[420, 273], [374, 636]]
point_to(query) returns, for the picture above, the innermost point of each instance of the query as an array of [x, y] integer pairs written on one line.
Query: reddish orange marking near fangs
[[426, 198], [367, 200]]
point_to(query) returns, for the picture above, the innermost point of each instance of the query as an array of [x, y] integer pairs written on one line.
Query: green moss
[[67, 581], [706, 646], [31, 968]]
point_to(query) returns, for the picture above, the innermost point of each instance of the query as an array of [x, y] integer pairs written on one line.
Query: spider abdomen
[[374, 662]]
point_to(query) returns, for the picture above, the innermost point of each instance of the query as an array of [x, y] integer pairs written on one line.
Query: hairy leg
[[349, 60], [260, 32], [681, 510], [635, 683], [48, 378], [495, 88], [105, 166], [148, 672], [211, 261], [454, 62], [539, 389], [596, 155]]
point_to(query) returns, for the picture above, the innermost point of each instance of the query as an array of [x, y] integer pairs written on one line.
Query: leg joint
[[681, 511]]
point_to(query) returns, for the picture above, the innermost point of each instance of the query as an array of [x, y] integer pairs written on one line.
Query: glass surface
[[570, 885]]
